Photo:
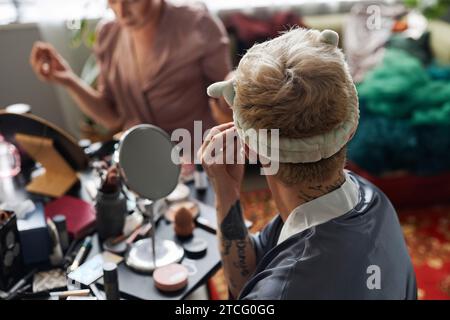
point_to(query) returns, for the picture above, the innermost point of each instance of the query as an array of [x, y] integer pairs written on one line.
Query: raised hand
[[223, 159], [48, 64]]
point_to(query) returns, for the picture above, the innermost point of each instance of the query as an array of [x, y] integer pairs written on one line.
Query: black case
[[11, 262]]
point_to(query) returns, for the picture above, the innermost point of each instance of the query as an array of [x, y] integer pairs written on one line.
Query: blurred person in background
[[156, 60]]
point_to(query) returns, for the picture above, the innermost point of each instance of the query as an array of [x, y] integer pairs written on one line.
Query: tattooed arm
[[236, 249], [238, 255]]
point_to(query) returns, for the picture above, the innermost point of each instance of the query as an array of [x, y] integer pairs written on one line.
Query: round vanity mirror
[[145, 162]]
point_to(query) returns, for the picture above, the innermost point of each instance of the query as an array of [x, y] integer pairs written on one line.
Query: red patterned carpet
[[426, 230], [427, 234]]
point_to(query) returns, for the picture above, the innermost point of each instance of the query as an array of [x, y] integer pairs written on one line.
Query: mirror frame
[[117, 158]]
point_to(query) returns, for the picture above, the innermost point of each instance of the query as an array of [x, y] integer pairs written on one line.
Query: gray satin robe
[[336, 259]]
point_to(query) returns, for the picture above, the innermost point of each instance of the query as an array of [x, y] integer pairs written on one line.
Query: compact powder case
[[171, 278]]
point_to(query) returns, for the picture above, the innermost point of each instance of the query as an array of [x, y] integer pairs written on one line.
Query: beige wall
[[18, 84]]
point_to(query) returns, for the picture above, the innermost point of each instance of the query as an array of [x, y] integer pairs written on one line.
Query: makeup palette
[[11, 263]]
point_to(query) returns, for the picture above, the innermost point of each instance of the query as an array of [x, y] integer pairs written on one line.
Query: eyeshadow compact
[[195, 248]]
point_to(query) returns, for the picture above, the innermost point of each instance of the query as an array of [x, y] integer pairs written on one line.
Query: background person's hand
[[222, 144], [48, 64]]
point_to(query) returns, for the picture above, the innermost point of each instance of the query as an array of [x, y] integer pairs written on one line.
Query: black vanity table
[[134, 285]]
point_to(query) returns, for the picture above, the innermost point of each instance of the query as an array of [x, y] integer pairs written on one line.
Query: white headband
[[293, 150]]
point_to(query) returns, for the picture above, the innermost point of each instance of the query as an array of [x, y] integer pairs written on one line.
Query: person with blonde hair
[[336, 236]]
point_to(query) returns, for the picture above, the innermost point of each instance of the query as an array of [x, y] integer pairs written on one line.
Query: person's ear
[[252, 155]]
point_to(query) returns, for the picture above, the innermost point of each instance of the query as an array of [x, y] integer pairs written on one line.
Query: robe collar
[[322, 209]]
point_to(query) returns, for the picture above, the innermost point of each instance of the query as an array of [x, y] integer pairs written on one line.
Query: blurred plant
[[83, 29], [82, 33], [431, 9]]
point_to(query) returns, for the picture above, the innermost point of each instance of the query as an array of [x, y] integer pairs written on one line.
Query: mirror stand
[[148, 254]]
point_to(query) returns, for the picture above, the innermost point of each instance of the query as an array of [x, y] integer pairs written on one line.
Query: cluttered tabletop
[[93, 237]]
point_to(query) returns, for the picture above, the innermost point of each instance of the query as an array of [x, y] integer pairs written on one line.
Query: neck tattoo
[[318, 190]]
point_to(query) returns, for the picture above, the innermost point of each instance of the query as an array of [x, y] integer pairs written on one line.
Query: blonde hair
[[298, 83]]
